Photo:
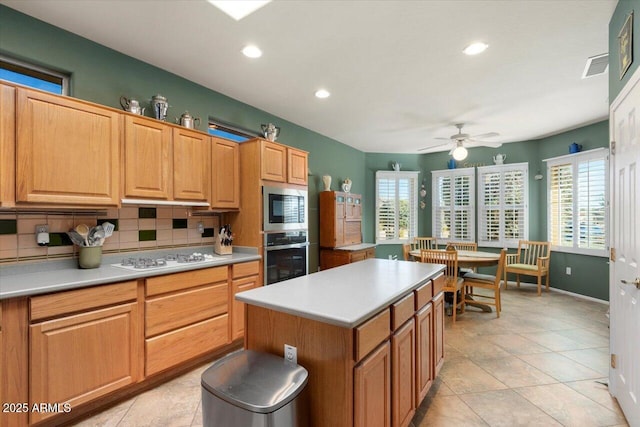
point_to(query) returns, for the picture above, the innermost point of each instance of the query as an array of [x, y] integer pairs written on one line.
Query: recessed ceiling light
[[475, 48], [238, 9], [322, 93], [252, 51]]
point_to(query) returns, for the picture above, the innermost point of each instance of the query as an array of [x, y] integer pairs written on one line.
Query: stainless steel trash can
[[252, 389]]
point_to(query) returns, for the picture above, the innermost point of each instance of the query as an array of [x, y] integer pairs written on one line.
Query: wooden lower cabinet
[[424, 352], [372, 389], [237, 307], [438, 332], [170, 349], [186, 315], [80, 357], [403, 375], [330, 258]]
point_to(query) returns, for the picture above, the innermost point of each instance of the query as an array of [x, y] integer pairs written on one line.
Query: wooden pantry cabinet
[[84, 344], [340, 219], [186, 315], [165, 162], [225, 169], [67, 151]]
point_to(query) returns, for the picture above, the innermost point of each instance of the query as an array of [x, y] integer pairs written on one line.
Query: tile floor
[[544, 362]]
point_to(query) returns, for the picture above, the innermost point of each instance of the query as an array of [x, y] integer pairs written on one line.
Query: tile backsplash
[[136, 228]]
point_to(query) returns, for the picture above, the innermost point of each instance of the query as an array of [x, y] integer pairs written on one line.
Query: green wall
[[102, 75]]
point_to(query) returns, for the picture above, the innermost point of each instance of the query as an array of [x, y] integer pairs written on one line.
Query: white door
[[624, 129]]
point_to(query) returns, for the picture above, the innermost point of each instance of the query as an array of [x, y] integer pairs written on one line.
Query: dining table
[[470, 259]]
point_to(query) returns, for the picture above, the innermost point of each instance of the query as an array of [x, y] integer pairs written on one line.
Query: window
[[225, 130], [396, 207], [453, 216], [503, 205], [578, 202], [33, 76]]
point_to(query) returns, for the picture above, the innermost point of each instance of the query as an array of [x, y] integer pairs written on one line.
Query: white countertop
[[357, 247], [24, 279], [343, 296]]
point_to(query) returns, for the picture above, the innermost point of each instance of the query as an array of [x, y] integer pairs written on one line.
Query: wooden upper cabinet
[[7, 145], [296, 166], [67, 151], [225, 189], [274, 162], [147, 158], [191, 165]]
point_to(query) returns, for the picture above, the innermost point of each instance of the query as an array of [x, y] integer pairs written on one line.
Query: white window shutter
[[453, 205], [396, 206]]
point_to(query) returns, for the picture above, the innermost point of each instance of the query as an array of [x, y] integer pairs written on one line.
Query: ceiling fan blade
[[444, 139], [433, 148], [486, 135], [476, 143]]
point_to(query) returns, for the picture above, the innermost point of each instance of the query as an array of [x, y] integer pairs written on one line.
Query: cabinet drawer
[[165, 351], [52, 305], [438, 284], [245, 269], [424, 294], [173, 311], [371, 253], [402, 311], [188, 279], [371, 333], [358, 256]]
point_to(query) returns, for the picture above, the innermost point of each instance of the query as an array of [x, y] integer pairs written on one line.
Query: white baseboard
[[562, 291]]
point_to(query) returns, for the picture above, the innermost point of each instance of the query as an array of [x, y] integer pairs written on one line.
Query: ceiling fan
[[460, 141]]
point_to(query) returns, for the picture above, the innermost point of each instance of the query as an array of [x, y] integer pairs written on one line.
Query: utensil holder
[[221, 249], [90, 257]]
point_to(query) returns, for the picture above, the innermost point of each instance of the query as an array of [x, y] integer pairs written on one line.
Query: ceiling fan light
[[475, 48], [460, 153]]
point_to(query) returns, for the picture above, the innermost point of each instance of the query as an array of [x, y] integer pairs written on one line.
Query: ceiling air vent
[[596, 65]]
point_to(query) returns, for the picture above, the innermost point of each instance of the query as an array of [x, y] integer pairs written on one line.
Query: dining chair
[[464, 246], [420, 243], [406, 248], [487, 281], [532, 259], [453, 283]]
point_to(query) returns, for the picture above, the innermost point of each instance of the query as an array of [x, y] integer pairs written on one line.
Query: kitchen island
[[369, 333]]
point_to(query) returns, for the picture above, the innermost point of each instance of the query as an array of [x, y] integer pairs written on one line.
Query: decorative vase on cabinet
[[326, 180]]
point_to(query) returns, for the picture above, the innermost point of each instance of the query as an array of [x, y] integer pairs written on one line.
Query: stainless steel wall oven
[[286, 255]]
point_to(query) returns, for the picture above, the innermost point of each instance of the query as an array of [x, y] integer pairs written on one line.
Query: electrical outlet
[[43, 228], [568, 271], [291, 353], [200, 227]]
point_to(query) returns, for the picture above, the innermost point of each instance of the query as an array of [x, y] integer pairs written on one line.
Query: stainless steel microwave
[[284, 209]]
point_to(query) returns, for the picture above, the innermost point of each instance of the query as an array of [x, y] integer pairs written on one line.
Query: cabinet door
[[354, 206], [191, 165], [438, 333], [225, 167], [67, 151], [296, 166], [147, 158], [79, 358], [7, 146], [403, 375], [424, 352], [372, 389], [274, 162], [237, 307], [340, 213]]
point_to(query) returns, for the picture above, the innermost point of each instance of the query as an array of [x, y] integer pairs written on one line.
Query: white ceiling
[[395, 70]]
